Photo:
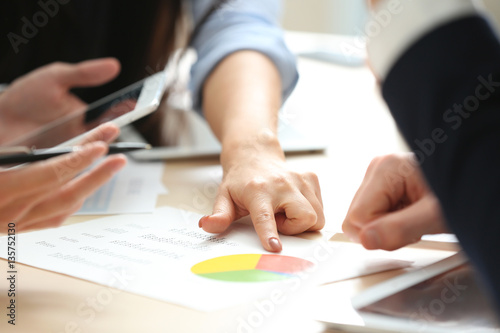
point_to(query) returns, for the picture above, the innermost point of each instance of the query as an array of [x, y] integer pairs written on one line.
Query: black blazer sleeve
[[444, 93]]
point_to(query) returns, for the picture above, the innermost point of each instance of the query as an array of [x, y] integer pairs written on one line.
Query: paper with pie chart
[[166, 256], [251, 267], [153, 255]]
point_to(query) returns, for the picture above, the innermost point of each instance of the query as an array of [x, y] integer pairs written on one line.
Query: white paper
[[445, 238], [152, 255], [361, 262], [358, 264], [134, 189]]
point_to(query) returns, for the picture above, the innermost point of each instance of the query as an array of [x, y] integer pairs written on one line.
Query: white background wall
[[493, 7], [338, 16], [333, 16]]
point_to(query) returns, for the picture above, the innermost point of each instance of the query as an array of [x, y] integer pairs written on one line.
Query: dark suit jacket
[[444, 93]]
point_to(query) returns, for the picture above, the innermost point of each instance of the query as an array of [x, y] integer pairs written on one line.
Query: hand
[[43, 194], [260, 185], [44, 95], [393, 206]]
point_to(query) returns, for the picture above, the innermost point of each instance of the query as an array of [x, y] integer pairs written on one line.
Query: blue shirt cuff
[[229, 32]]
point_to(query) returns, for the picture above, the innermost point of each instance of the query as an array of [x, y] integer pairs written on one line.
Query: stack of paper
[[134, 189]]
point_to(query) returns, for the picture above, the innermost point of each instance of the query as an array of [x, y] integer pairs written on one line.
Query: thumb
[[406, 226], [223, 214], [87, 73]]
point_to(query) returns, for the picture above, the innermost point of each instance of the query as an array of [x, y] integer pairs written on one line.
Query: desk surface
[[343, 104]]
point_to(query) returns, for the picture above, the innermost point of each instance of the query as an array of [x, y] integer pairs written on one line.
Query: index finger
[[86, 73], [262, 215]]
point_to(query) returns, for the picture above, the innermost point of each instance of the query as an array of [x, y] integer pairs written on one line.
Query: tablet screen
[[80, 122], [452, 300]]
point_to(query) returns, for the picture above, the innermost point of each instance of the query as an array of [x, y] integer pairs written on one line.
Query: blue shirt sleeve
[[240, 25]]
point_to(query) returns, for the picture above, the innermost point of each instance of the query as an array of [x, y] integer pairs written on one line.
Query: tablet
[[198, 141], [121, 108], [444, 297]]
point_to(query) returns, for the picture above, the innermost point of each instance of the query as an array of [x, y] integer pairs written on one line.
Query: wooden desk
[[339, 102]]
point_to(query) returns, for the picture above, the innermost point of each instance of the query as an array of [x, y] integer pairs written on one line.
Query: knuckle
[[280, 180], [374, 162], [383, 161], [256, 184], [311, 177], [263, 218], [356, 213], [56, 67], [386, 160], [309, 217]]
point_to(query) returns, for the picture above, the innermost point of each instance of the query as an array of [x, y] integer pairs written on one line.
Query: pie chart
[[251, 267]]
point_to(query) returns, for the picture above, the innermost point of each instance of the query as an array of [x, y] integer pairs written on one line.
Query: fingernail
[[275, 244], [200, 223], [372, 239]]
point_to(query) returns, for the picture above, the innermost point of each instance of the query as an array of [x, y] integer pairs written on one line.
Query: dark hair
[[36, 33], [140, 34]]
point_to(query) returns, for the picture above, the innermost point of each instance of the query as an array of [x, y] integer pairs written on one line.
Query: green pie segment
[[251, 267], [253, 275]]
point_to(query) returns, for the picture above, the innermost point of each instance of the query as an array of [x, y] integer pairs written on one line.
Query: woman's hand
[[393, 206], [241, 103], [258, 183], [43, 95], [43, 194]]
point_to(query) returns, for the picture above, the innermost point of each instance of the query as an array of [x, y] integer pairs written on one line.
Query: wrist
[[258, 145]]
